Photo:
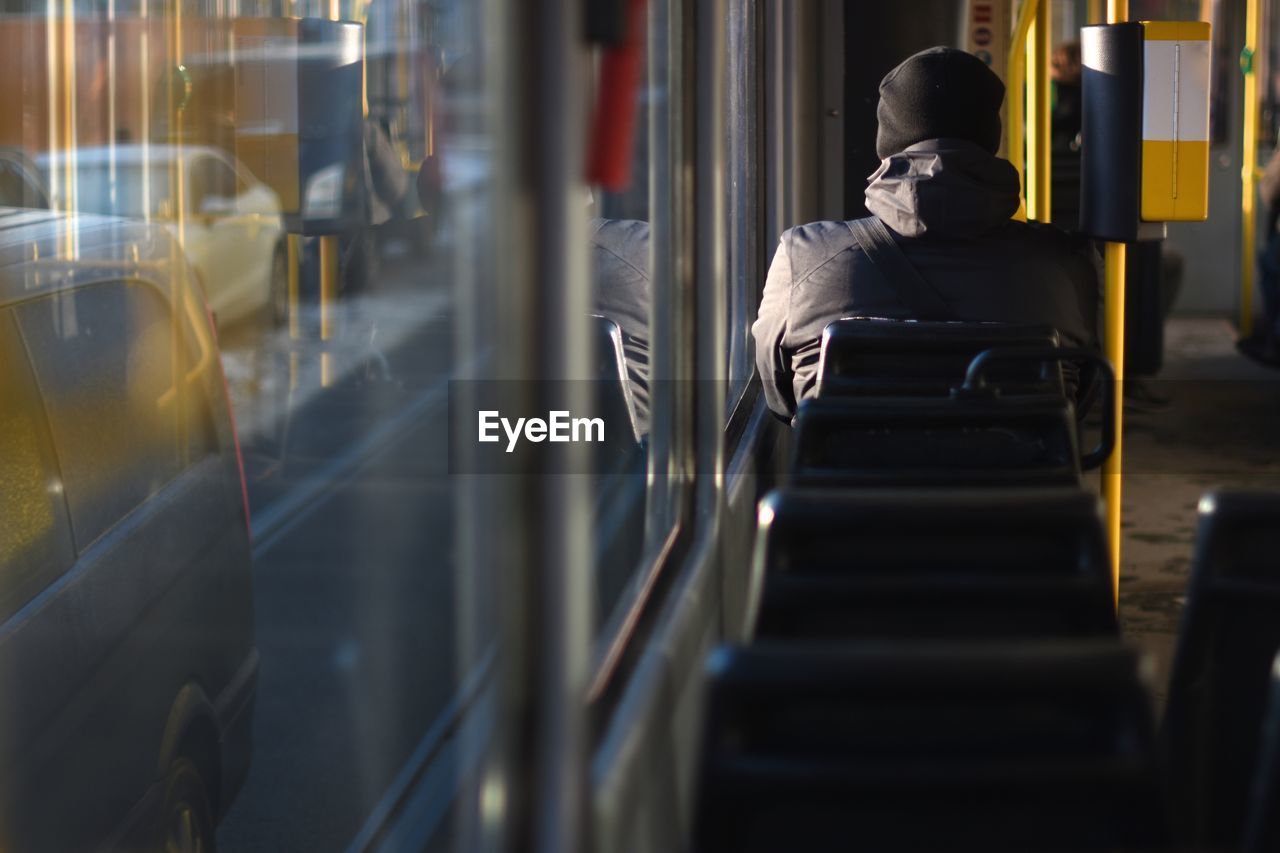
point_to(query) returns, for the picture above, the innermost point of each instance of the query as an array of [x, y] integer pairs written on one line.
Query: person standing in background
[[1065, 72], [1265, 343]]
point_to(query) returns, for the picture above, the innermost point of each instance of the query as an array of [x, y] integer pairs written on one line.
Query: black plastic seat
[[909, 358], [1227, 642], [1262, 827], [959, 607], [619, 462], [949, 442], [893, 746], [614, 400], [894, 563]]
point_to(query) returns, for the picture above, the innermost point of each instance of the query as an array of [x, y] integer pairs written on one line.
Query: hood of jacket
[[948, 188]]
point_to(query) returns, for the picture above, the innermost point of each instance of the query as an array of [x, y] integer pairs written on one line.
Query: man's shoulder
[[816, 244], [609, 232], [626, 240], [821, 231]]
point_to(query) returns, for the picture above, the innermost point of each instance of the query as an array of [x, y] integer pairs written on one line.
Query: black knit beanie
[[939, 93]]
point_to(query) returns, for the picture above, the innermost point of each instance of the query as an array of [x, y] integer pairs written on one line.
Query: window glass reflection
[[241, 252], [629, 515]]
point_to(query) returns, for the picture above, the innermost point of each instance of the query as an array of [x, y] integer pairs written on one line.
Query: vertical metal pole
[[1113, 469], [533, 794], [1039, 128], [1249, 166], [831, 110], [710, 240], [1014, 131]]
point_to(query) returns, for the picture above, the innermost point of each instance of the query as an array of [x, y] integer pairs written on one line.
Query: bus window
[[629, 255]]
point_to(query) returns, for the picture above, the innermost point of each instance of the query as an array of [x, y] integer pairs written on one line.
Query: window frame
[[669, 517], [752, 262]]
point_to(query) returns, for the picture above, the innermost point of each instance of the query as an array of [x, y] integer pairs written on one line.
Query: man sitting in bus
[[950, 251], [620, 292]]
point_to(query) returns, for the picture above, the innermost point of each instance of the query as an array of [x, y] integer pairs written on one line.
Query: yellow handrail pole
[[1113, 469], [1249, 167], [1039, 112], [1093, 13], [1015, 75]]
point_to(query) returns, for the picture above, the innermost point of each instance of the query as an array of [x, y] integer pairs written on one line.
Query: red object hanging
[[613, 131]]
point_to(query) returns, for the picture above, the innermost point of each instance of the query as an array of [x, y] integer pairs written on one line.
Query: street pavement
[[354, 582]]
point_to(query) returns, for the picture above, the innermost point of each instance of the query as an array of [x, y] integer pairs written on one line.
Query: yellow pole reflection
[[328, 297], [293, 247], [329, 272], [69, 120], [144, 133], [1249, 166], [53, 74]]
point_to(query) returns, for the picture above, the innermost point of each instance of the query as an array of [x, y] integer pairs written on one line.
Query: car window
[[17, 189], [220, 180], [35, 543], [200, 184], [244, 180], [103, 360], [128, 189], [200, 371]]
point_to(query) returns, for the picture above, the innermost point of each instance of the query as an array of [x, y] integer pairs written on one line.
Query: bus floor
[[1220, 429]]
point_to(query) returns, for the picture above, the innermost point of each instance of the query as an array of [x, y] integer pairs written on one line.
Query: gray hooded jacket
[[948, 204]]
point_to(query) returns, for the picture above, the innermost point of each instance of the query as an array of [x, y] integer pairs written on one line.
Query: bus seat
[[919, 746], [1262, 826], [614, 400], [905, 548], [1227, 641], [864, 356], [1000, 441], [958, 607]]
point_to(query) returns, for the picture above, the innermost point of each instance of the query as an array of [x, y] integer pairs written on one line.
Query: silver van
[[127, 660]]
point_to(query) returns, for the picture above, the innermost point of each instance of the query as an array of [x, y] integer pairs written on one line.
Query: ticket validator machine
[[1145, 132]]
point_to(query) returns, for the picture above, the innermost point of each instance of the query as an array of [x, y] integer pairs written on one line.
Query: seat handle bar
[[975, 383]]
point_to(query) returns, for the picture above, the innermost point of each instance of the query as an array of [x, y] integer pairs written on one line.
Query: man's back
[[948, 202]]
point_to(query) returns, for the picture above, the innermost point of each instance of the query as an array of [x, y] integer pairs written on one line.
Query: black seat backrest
[[1262, 827], [892, 358], [928, 532], [957, 542], [962, 607], [1227, 641], [893, 746], [1000, 441]]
